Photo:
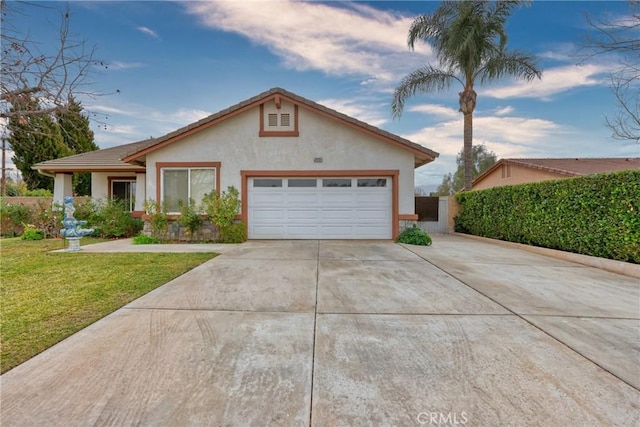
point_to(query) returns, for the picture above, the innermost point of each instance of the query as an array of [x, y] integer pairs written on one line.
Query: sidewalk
[[126, 245]]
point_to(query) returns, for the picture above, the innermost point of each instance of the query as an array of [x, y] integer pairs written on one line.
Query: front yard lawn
[[45, 297]]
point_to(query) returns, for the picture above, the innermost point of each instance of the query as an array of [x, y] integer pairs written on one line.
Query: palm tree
[[469, 40]]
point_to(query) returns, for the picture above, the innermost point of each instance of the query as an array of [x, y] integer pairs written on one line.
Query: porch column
[[141, 191], [62, 186]]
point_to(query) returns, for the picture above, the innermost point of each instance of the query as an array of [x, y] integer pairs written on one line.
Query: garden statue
[[72, 230]]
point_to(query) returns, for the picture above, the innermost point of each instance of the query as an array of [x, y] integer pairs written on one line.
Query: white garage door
[[320, 208]]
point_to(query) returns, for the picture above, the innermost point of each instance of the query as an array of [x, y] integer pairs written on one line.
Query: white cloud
[[503, 111], [357, 109], [554, 81], [148, 31], [105, 109], [120, 65], [121, 129], [353, 39], [506, 136], [181, 117], [439, 111]]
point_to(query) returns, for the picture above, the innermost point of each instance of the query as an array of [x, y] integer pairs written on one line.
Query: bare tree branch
[[620, 39], [49, 77]]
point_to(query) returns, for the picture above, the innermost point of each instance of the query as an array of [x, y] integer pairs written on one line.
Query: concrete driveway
[[351, 333]]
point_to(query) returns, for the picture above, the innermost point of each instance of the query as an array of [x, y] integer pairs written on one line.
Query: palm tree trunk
[[468, 150], [467, 105]]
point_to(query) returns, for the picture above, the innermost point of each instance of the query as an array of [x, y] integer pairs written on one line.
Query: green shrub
[[13, 216], [111, 219], [414, 236], [32, 233], [235, 233], [38, 192], [48, 218], [222, 209], [158, 219], [143, 239], [190, 217], [596, 215]]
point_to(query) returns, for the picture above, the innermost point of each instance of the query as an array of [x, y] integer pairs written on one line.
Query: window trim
[[184, 165], [111, 179]]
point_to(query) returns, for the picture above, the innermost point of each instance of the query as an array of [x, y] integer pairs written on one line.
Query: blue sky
[[176, 62]]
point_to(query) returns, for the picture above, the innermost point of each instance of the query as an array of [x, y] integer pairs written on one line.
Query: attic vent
[[273, 120], [284, 119]]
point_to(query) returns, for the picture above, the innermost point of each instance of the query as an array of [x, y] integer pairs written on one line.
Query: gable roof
[[130, 157], [568, 167], [422, 154]]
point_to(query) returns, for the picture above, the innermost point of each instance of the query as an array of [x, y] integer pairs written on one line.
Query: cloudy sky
[[176, 62]]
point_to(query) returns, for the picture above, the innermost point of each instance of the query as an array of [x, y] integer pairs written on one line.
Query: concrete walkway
[[126, 245], [351, 333]]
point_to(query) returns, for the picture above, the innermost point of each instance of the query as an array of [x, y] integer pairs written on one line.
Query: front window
[[182, 184]]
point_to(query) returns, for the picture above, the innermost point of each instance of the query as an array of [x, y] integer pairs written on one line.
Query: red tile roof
[[570, 166]]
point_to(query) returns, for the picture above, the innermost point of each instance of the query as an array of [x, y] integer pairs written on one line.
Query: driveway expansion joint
[[521, 316]]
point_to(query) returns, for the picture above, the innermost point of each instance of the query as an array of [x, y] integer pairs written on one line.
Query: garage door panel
[[336, 231], [341, 199], [338, 214], [305, 212], [268, 215], [302, 214], [268, 231], [375, 215], [293, 197], [371, 198], [268, 198]]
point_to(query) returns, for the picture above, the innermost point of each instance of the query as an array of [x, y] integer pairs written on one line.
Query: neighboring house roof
[[569, 167], [108, 159], [131, 156], [422, 154]]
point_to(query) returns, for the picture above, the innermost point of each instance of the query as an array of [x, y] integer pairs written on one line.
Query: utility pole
[[3, 183]]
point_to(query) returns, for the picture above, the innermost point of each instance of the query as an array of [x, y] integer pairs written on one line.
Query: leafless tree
[[621, 37], [28, 73]]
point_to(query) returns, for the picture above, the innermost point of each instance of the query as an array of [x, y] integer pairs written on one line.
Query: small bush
[[234, 233], [113, 220], [414, 236], [222, 209], [158, 219], [38, 192], [190, 218], [32, 233], [49, 219], [143, 239], [13, 216]]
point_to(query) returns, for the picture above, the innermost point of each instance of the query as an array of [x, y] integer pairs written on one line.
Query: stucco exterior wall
[[236, 144], [518, 175], [100, 183]]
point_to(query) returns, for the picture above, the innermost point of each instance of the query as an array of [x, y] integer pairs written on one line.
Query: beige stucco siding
[[519, 175], [236, 144], [100, 183]]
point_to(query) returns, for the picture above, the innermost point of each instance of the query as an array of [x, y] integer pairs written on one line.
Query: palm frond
[[427, 79], [516, 64]]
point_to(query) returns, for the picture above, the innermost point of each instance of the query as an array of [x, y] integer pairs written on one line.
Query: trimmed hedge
[[596, 215]]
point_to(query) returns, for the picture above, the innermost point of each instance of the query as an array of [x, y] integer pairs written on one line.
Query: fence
[[435, 214]]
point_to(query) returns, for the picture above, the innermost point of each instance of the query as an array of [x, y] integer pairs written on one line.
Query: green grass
[[45, 297]]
